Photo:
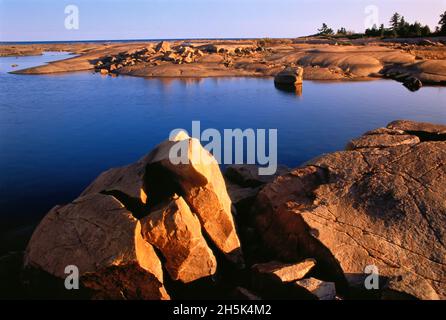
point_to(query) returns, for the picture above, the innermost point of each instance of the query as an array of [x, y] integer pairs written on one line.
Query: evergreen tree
[[442, 23], [382, 30], [425, 31], [325, 30], [395, 21], [403, 28], [342, 31], [402, 22], [415, 29]]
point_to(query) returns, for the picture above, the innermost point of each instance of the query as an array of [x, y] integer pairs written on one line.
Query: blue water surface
[[59, 131]]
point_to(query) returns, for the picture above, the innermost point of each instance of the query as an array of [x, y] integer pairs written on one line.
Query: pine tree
[[382, 30], [395, 21], [325, 30], [403, 27], [425, 31], [342, 31], [442, 23], [415, 29]]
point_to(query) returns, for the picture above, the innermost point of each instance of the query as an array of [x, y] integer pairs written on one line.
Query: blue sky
[[43, 20]]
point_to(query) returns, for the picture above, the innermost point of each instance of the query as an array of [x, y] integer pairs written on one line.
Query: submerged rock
[[378, 206]]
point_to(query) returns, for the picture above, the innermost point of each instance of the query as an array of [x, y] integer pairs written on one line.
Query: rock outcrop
[[114, 230], [192, 172], [146, 56], [313, 232], [380, 203], [322, 59]]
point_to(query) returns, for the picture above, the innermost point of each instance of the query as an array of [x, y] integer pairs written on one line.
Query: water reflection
[[295, 90]]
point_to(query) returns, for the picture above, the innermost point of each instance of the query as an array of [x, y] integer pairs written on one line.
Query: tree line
[[398, 27]]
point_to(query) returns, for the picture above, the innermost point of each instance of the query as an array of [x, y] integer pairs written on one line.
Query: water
[[58, 132]]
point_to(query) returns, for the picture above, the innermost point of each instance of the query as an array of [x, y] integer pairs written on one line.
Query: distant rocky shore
[[413, 63], [154, 230]]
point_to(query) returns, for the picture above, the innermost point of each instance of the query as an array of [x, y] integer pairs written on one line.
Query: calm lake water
[[58, 132]]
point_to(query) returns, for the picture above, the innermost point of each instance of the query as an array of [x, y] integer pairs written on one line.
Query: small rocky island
[[154, 230]]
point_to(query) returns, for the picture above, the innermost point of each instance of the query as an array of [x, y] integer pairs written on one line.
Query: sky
[[46, 20]]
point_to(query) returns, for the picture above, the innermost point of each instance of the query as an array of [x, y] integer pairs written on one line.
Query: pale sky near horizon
[[44, 20]]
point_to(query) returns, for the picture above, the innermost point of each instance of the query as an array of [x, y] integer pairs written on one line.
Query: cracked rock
[[103, 240], [381, 206], [193, 173], [176, 232]]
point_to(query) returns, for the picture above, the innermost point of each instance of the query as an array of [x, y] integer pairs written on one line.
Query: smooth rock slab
[[381, 141]]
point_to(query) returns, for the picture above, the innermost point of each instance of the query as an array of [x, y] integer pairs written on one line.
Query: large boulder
[[99, 236], [412, 83], [378, 204], [176, 232], [182, 166], [290, 77]]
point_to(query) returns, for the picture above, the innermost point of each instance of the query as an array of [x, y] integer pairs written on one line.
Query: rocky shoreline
[[415, 64], [154, 230]]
